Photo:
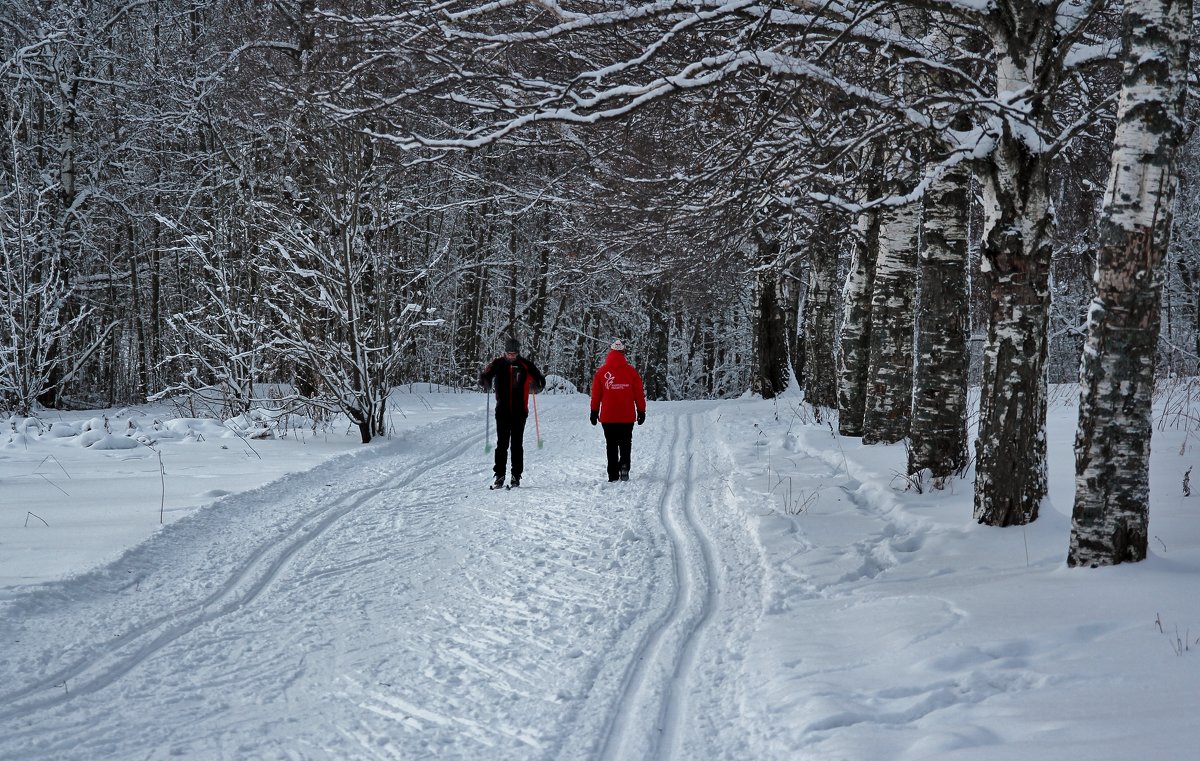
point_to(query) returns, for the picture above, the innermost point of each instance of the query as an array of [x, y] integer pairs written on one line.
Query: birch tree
[[820, 310], [938, 435], [1032, 47], [854, 344], [1110, 519], [893, 309]]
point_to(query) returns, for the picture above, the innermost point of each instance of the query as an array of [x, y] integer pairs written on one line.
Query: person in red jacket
[[512, 377], [618, 400]]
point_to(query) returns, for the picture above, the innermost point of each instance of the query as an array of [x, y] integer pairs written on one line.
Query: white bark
[[890, 374], [1110, 520]]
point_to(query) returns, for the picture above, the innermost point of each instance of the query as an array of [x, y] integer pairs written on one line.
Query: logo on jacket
[[610, 382]]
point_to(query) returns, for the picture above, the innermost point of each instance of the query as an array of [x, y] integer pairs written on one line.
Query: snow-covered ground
[[761, 589]]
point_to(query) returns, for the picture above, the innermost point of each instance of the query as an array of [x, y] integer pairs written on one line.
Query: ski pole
[[487, 426], [537, 430]]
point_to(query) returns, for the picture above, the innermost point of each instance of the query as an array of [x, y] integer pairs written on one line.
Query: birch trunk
[[1010, 452], [855, 343], [793, 288], [1010, 476], [938, 439], [890, 369], [820, 316], [1109, 523]]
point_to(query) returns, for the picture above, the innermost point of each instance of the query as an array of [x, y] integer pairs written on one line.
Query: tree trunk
[[363, 421], [855, 345], [1010, 454], [890, 371], [514, 283], [820, 316], [791, 289], [583, 357], [770, 367], [938, 437], [1109, 523], [140, 357], [1010, 475], [154, 348], [709, 346], [770, 345]]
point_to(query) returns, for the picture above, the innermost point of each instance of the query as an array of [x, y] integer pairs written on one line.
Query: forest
[[884, 202]]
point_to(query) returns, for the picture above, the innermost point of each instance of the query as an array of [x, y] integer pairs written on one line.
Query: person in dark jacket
[[618, 400], [513, 378]]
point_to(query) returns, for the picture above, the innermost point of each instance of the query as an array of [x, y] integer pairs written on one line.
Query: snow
[[760, 589]]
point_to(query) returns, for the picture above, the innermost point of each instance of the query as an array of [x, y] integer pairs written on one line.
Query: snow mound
[[556, 384], [110, 441]]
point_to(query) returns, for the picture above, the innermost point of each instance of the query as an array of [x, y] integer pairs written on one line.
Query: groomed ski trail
[[110, 660], [382, 606], [652, 703]]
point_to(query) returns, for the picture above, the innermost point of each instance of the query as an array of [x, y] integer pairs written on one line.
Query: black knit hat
[[512, 344]]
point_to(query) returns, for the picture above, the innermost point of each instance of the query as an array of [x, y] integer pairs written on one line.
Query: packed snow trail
[[387, 605], [761, 589], [651, 704], [114, 659]]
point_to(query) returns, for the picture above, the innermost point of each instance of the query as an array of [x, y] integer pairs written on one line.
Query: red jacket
[[617, 390]]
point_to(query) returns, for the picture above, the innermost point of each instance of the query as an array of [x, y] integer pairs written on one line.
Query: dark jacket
[[617, 390], [512, 381]]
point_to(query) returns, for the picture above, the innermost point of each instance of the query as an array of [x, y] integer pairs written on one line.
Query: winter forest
[[886, 203]]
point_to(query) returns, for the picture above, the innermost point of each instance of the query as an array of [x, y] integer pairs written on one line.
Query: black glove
[[595, 416], [641, 416]]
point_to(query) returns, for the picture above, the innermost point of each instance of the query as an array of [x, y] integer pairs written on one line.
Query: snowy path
[[388, 606], [761, 589], [109, 661], [650, 707]]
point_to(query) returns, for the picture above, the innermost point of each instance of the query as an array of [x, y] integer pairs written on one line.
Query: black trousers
[[510, 432], [618, 440]]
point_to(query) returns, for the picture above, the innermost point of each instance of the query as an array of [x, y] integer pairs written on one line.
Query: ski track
[[651, 708], [404, 611], [247, 582]]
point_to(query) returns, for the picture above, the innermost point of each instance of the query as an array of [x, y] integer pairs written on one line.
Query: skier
[[513, 377], [618, 399]]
